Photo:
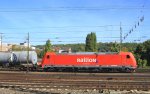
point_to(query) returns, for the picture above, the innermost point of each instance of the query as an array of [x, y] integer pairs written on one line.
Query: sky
[[69, 21]]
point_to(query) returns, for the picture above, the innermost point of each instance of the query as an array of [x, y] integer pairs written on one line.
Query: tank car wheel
[[6, 65]]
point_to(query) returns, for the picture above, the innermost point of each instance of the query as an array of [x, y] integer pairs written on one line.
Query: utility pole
[[1, 41], [28, 54], [120, 37]]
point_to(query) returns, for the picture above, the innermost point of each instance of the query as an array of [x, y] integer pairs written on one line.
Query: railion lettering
[[86, 59]]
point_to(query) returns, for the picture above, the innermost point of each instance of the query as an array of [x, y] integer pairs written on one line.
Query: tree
[[94, 41], [91, 42], [114, 47], [139, 62], [143, 52], [144, 63], [47, 48], [139, 51], [146, 55], [88, 43]]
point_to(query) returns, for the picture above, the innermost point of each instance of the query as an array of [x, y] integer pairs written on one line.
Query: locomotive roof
[[90, 53]]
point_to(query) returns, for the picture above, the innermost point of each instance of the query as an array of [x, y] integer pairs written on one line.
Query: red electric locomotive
[[122, 61]]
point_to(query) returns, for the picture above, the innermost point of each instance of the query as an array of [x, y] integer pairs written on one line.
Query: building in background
[[5, 47], [66, 50], [24, 44], [16, 47]]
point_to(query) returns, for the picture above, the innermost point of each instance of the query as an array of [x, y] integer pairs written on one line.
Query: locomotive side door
[[123, 60], [48, 59], [51, 59]]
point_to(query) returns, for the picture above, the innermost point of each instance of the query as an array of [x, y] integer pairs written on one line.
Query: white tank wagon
[[17, 57], [21, 57], [6, 58]]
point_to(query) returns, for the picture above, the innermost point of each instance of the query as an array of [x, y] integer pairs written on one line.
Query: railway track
[[90, 81], [112, 85], [47, 76]]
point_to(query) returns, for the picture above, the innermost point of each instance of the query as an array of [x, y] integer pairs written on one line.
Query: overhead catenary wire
[[140, 20], [63, 8], [46, 9], [75, 26]]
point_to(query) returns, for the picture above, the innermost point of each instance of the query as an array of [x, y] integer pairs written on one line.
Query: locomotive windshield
[[128, 56], [48, 56]]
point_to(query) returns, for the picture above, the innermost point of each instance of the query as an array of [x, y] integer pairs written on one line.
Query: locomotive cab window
[[128, 56], [48, 56]]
